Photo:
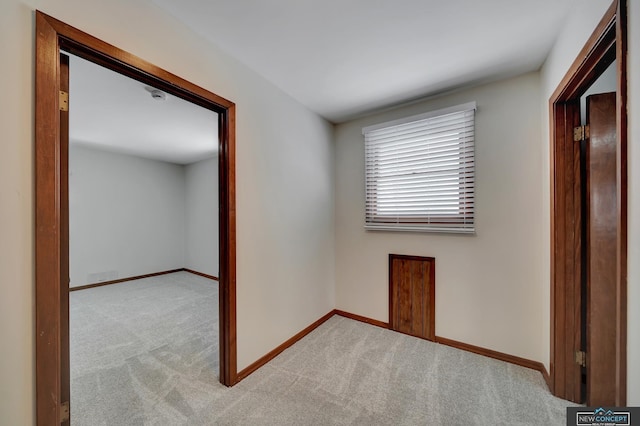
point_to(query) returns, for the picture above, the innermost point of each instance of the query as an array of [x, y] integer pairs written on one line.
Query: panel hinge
[[64, 101], [581, 358], [64, 412], [581, 133]]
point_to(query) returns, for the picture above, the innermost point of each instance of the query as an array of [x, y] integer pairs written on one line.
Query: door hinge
[[64, 101], [581, 358], [64, 412], [580, 133]]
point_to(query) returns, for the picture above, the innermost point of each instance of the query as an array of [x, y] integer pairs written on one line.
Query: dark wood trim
[[535, 365], [360, 318], [122, 280], [586, 68], [84, 45], [202, 274], [227, 245], [607, 43], [65, 367], [566, 245], [50, 241], [277, 351], [512, 359], [47, 223], [622, 184], [139, 277], [546, 376]]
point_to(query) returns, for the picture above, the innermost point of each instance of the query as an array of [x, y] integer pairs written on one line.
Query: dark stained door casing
[[65, 392]]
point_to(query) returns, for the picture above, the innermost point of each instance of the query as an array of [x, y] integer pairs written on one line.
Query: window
[[420, 172]]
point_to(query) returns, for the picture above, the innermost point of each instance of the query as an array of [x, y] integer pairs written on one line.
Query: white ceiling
[[342, 58], [110, 111]]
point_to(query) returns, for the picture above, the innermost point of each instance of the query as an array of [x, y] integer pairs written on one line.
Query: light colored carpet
[[143, 353]]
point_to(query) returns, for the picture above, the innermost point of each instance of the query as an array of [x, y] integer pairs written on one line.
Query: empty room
[[425, 212], [143, 244]]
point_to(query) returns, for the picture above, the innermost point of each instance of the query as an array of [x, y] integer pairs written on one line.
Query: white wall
[[576, 32], [488, 286], [284, 183], [201, 201], [132, 216], [126, 216]]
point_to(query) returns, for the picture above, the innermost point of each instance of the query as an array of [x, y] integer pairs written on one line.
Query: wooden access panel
[[412, 295]]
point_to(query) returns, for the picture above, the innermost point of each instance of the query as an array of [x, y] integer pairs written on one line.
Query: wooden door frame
[[608, 42], [50, 242]]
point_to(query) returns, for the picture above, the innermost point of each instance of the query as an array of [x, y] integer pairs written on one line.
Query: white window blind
[[420, 172]]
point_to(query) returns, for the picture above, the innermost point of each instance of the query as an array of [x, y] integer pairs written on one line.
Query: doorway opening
[[52, 213], [143, 249], [583, 265]]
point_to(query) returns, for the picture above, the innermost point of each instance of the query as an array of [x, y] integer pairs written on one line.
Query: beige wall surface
[[489, 287], [284, 183]]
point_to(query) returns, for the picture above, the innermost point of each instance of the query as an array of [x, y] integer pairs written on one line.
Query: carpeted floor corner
[[145, 353]]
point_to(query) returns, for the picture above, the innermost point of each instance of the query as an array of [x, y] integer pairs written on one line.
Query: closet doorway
[[589, 223]]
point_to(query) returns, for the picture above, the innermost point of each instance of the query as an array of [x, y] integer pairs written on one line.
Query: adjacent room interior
[[143, 245]]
